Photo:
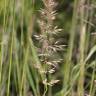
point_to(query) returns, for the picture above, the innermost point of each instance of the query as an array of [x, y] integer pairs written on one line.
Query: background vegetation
[[47, 48]]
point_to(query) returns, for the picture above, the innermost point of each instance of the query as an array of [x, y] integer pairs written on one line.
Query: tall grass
[[34, 62]]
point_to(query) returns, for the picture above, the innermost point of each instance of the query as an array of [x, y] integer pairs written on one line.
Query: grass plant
[[34, 58]]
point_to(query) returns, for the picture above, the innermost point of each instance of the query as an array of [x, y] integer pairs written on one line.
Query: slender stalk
[[68, 62], [22, 46], [11, 49], [1, 45], [82, 49], [91, 93]]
